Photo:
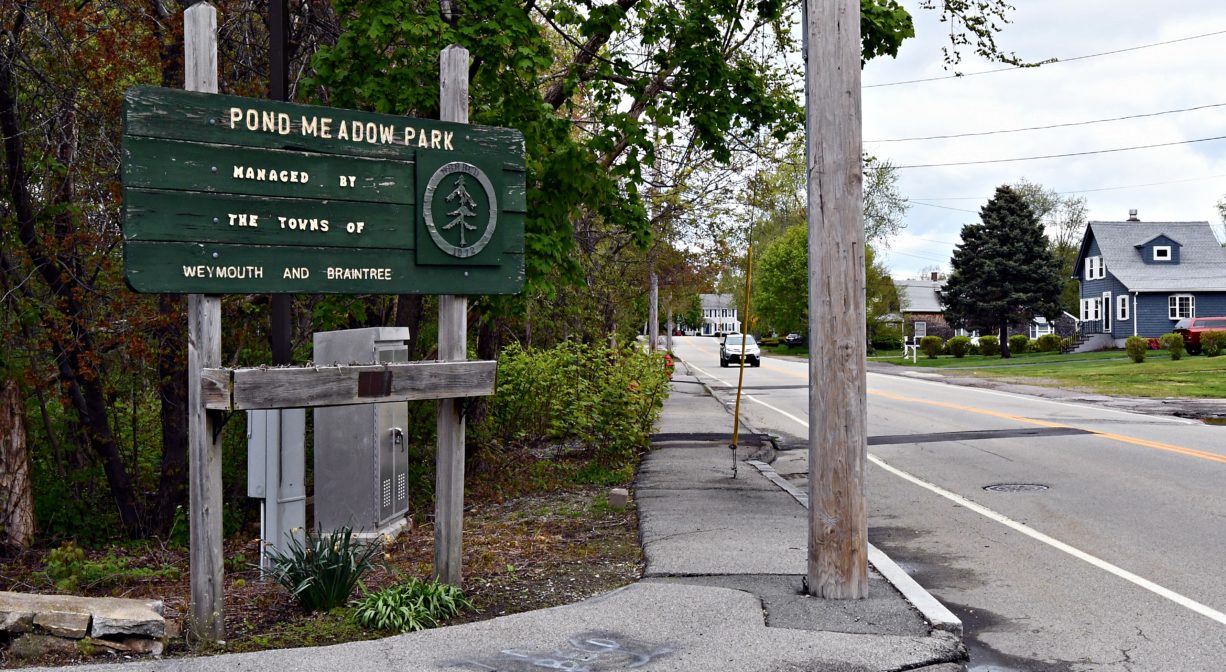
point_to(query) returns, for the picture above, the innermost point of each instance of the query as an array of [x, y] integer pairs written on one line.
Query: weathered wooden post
[[838, 530], [452, 346], [203, 351]]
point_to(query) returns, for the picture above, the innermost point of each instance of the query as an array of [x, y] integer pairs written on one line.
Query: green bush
[[958, 346], [69, 569], [1137, 348], [1174, 343], [322, 572], [1212, 343], [606, 399], [1018, 344], [1048, 343], [409, 606], [886, 338], [989, 346], [932, 346]]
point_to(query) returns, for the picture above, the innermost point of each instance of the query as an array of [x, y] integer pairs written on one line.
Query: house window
[[1095, 268], [1037, 330], [1181, 306], [1121, 308], [1162, 253], [1106, 311]]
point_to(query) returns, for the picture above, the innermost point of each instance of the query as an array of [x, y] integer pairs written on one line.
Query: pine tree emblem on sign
[[461, 222]]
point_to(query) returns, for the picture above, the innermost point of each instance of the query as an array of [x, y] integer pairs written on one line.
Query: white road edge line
[[752, 398], [1171, 595], [1186, 602]]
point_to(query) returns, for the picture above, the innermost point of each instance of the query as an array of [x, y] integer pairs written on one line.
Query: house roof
[[714, 301], [920, 296], [1202, 260]]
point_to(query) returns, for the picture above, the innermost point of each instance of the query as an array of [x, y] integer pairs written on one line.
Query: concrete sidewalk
[[721, 591]]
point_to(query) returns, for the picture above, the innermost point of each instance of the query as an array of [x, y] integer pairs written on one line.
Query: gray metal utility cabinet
[[361, 460]]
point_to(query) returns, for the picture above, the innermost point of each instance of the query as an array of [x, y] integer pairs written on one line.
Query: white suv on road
[[731, 350]]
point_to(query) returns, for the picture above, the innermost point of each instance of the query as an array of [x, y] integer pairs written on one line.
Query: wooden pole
[[203, 351], [838, 420], [452, 346]]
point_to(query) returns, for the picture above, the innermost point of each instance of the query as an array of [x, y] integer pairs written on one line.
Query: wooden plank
[[452, 346], [203, 350], [838, 441], [216, 268], [310, 387], [152, 214], [155, 163], [171, 114]]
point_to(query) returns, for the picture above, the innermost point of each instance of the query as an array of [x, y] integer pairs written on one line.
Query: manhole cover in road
[[1015, 487]]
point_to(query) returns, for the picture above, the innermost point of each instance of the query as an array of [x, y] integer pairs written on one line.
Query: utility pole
[[838, 418]]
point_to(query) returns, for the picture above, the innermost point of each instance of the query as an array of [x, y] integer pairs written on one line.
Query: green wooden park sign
[[232, 195]]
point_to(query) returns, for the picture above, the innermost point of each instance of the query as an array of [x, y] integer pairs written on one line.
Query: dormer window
[[1095, 268], [1162, 252]]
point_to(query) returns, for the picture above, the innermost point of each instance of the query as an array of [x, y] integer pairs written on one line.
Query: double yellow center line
[[1170, 448]]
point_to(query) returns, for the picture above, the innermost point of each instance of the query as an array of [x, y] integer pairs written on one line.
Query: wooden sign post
[[224, 194], [838, 439]]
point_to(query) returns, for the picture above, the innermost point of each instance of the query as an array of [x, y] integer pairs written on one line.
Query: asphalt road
[[1102, 549]]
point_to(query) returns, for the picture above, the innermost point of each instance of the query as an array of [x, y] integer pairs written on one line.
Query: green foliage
[[409, 606], [1003, 271], [323, 571], [1174, 343], [1048, 343], [931, 346], [1019, 344], [69, 569], [781, 281], [1212, 343], [989, 346], [886, 338], [606, 399], [1136, 347], [595, 473], [958, 346]]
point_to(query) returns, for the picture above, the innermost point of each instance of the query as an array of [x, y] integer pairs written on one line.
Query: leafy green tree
[[1064, 220], [1003, 271]]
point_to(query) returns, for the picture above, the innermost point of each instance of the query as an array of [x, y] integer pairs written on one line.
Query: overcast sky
[[1176, 183]]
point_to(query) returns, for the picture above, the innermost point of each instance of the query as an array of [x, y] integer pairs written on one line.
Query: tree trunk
[[172, 393], [1004, 340], [409, 309], [16, 494]]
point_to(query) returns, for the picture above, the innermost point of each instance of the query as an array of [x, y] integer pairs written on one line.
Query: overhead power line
[[1048, 62], [1041, 128], [1058, 156]]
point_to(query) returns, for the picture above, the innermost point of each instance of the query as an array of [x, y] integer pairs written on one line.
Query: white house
[[718, 315]]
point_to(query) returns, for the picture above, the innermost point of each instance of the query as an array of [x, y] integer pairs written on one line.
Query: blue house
[[1140, 278]]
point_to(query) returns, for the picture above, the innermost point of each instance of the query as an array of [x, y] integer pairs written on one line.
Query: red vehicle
[[1192, 327]]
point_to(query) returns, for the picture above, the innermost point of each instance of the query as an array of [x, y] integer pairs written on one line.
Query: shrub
[[989, 346], [69, 569], [958, 346], [1018, 344], [1174, 343], [322, 572], [1212, 343], [1136, 348], [605, 399], [932, 346], [409, 606], [886, 338], [1048, 343]]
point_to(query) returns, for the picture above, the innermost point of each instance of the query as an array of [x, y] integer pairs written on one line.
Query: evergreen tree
[[1003, 271]]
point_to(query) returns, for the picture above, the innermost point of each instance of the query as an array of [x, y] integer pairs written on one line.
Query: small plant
[[1174, 343], [322, 572], [1019, 344], [1136, 347], [958, 346], [68, 568], [931, 346], [1212, 343], [409, 606], [989, 346], [64, 566], [1048, 343]]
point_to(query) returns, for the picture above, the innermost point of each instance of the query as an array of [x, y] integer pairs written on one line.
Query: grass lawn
[[1109, 372]]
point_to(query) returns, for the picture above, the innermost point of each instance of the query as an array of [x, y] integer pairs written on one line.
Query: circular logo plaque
[[459, 209]]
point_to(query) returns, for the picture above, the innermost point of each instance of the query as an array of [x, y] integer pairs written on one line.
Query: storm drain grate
[[1015, 487]]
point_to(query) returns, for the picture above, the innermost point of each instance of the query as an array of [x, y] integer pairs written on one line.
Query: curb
[[938, 615]]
